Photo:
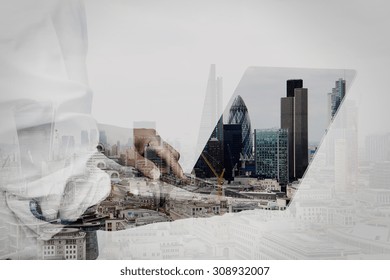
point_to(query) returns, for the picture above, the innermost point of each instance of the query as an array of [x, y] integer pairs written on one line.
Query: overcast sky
[[149, 60]]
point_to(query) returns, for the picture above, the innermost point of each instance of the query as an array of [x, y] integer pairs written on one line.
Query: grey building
[[67, 244], [271, 154], [294, 118]]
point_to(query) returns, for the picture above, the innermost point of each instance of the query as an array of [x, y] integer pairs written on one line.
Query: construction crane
[[219, 177]]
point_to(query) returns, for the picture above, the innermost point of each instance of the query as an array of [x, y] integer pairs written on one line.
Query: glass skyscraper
[[239, 115], [271, 154]]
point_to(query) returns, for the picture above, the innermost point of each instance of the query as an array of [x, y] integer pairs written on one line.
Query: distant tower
[[212, 118], [239, 115], [210, 141], [294, 118], [335, 98]]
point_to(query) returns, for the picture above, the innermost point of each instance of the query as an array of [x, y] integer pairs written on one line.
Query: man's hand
[[151, 154]]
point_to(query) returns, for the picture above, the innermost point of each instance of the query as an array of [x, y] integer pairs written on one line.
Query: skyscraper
[[271, 154], [239, 115], [335, 98], [292, 85], [232, 147], [294, 119], [210, 141], [212, 123]]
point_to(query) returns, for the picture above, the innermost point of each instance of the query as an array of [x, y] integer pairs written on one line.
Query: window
[[48, 250]]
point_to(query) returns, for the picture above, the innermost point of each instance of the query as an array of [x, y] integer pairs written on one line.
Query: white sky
[[149, 60]]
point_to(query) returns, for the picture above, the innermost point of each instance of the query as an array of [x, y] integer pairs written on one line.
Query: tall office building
[[292, 85], [213, 151], [212, 123], [294, 119], [239, 115], [335, 98], [232, 146], [210, 141], [271, 154]]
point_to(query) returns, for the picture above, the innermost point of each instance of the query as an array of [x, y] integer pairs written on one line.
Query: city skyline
[[262, 88]]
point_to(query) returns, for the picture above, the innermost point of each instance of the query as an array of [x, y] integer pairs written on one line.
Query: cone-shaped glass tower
[[239, 115]]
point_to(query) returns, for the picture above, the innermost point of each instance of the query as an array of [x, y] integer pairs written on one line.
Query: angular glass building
[[239, 115], [271, 154]]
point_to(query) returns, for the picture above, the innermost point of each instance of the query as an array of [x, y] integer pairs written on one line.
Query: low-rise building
[[67, 244]]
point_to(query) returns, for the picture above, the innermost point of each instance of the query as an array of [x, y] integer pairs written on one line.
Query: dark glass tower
[[336, 97], [294, 119], [232, 147], [292, 85]]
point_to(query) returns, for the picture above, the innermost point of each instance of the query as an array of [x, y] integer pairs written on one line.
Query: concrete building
[[67, 244], [114, 224], [194, 209], [266, 184]]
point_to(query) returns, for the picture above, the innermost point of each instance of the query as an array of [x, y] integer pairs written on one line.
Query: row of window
[[48, 252], [71, 257]]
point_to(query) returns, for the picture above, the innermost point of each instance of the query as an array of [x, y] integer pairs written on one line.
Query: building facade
[[271, 154], [294, 118], [232, 146], [67, 244], [335, 98]]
